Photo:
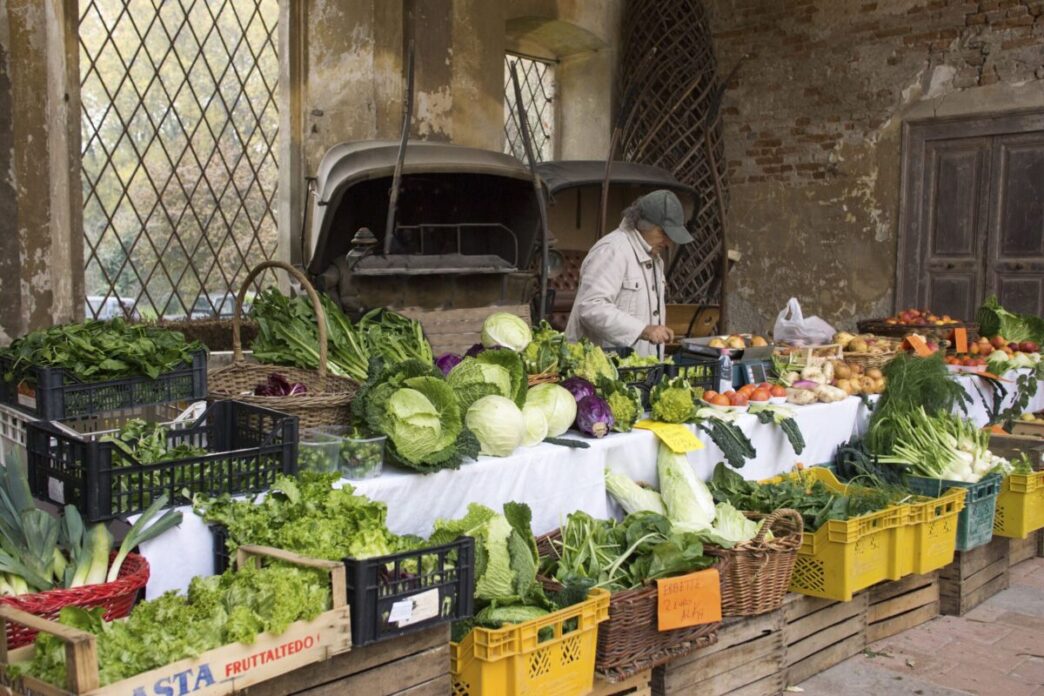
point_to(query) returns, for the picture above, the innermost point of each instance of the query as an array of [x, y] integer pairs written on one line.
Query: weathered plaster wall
[[41, 237], [813, 122]]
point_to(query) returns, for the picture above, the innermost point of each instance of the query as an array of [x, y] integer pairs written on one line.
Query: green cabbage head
[[507, 330], [497, 423]]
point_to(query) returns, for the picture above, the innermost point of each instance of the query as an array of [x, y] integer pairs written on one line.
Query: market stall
[[618, 507]]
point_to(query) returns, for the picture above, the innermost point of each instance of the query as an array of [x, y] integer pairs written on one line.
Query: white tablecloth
[[553, 480], [981, 392]]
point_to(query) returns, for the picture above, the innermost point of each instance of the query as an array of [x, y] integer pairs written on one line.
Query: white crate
[[12, 433]]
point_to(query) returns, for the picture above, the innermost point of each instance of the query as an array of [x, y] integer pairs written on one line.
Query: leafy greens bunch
[[95, 351], [307, 515], [624, 555], [816, 503], [231, 608], [288, 334]]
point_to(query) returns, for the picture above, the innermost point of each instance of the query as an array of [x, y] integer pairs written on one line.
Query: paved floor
[[995, 649]]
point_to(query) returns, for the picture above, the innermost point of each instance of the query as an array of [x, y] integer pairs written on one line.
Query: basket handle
[[81, 654], [317, 307], [776, 516], [338, 575]]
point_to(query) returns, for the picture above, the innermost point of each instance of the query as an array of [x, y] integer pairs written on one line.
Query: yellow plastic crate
[[842, 557], [1020, 505], [519, 661], [929, 538]]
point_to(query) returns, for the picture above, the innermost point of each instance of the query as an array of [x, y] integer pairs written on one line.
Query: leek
[[143, 530], [99, 542]]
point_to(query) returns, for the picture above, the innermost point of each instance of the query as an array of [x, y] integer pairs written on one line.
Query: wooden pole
[[407, 122]]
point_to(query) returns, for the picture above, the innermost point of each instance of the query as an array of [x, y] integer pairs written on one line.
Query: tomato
[[778, 391], [765, 385], [708, 396], [761, 395], [720, 400], [740, 400]]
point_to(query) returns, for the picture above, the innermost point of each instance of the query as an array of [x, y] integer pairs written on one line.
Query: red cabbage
[[594, 417], [278, 385], [447, 361], [579, 388], [474, 350]]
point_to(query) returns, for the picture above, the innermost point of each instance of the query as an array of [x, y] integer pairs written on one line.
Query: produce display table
[[553, 480]]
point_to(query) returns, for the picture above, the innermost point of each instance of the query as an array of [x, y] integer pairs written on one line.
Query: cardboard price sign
[[920, 347], [678, 438], [688, 600], [960, 336]]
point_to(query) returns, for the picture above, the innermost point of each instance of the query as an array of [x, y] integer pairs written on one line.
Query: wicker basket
[[542, 378], [940, 333], [870, 360], [630, 641], [117, 598], [758, 573], [329, 397]]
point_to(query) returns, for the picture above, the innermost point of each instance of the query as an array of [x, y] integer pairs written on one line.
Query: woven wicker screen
[[670, 119]]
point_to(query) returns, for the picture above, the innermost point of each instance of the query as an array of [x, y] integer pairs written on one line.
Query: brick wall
[[813, 121]]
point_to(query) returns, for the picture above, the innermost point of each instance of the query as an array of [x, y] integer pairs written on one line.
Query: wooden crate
[[1033, 428], [894, 607], [416, 664], [638, 685], [819, 633], [973, 577], [224, 670], [456, 330], [747, 660], [1020, 550]]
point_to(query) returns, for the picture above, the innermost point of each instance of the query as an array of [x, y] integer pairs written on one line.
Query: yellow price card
[[676, 436]]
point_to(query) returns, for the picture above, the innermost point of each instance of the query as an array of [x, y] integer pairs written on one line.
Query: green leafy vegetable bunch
[[95, 351]]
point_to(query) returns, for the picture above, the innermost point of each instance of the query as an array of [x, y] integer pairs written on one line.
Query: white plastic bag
[[795, 328]]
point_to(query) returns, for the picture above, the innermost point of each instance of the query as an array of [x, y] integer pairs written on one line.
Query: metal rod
[[538, 189], [407, 122]]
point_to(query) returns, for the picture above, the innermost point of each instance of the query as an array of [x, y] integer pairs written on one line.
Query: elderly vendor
[[619, 303]]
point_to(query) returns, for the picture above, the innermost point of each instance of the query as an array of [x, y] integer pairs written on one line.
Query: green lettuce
[[994, 320], [689, 503], [733, 525]]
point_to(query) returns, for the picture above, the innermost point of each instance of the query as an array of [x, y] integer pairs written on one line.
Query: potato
[[867, 384], [845, 385], [842, 370], [875, 373], [758, 341], [857, 369], [858, 345], [879, 385]]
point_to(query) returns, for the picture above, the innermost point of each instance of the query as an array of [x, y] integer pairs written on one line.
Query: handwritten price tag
[[919, 346], [960, 336], [688, 600], [678, 438]]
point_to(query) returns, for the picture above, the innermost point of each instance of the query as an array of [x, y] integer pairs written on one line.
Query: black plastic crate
[[443, 590], [49, 393], [700, 370], [644, 378], [247, 447]]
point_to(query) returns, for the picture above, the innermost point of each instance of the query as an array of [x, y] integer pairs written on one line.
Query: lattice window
[[537, 80], [179, 168]]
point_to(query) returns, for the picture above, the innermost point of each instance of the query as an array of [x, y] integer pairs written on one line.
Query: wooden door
[[1015, 258], [972, 214]]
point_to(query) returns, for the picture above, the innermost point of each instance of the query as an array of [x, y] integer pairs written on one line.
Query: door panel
[[954, 224], [972, 213], [1016, 250]]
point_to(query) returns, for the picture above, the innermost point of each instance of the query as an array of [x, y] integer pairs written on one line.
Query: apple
[[998, 342]]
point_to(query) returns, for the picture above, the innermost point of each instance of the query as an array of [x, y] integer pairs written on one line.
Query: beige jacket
[[621, 292]]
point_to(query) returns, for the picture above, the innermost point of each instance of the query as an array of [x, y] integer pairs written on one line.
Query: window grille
[[179, 171], [537, 81]]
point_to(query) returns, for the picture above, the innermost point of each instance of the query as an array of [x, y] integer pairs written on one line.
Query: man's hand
[[655, 333]]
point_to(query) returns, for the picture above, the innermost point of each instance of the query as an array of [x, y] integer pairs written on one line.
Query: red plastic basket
[[116, 597]]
